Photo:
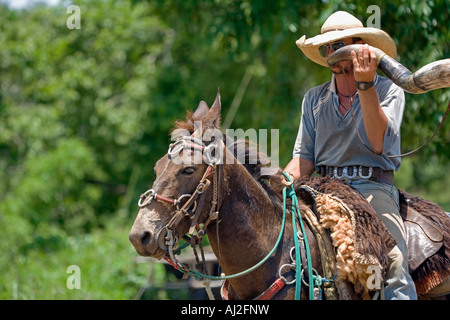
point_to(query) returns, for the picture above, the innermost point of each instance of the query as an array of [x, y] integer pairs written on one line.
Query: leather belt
[[358, 172]]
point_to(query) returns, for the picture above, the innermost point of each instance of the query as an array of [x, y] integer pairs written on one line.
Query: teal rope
[[298, 261], [290, 192], [200, 275], [287, 192], [178, 251]]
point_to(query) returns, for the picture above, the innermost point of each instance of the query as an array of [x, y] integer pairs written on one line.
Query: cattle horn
[[435, 75]]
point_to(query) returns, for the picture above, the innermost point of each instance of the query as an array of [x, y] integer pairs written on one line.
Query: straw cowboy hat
[[342, 25]]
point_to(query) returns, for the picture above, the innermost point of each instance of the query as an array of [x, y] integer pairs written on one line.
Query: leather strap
[[268, 294], [375, 174], [361, 85], [272, 290]]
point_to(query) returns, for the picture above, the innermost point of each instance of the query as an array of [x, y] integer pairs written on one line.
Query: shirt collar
[[333, 84]]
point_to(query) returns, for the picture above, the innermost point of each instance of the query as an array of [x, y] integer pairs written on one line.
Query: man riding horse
[[350, 129]]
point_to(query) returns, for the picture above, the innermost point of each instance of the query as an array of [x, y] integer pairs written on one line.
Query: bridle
[[190, 209], [215, 169]]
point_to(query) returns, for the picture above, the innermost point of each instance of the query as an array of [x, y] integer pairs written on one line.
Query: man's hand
[[364, 64], [299, 167], [286, 181]]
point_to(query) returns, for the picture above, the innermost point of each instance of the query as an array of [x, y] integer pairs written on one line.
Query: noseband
[[184, 211]]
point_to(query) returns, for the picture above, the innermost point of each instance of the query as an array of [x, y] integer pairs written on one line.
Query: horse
[[209, 183]]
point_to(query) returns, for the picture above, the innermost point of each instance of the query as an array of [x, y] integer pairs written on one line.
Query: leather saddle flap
[[424, 237]]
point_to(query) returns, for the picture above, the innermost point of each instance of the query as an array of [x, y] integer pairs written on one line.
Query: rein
[[185, 211], [290, 192]]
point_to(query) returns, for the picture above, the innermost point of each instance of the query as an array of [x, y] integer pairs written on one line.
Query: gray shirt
[[327, 138]]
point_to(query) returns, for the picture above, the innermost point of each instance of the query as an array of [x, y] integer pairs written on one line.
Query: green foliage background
[[85, 114]]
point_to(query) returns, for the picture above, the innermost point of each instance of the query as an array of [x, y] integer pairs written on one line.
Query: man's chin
[[341, 70]]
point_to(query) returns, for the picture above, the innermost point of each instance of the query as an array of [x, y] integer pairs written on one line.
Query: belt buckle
[[336, 173], [345, 173], [357, 171], [365, 176], [354, 172]]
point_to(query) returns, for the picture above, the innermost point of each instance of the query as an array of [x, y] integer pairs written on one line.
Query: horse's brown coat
[[250, 206]]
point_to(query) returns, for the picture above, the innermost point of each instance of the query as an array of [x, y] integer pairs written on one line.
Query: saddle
[[428, 239], [424, 236], [427, 228]]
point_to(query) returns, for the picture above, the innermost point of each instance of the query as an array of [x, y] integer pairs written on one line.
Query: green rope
[[287, 192], [178, 250], [290, 192], [298, 270], [199, 275]]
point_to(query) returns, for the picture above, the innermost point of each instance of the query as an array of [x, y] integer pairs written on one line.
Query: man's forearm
[[375, 121]]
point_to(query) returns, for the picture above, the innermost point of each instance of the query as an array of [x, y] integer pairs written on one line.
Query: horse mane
[[181, 126], [259, 165]]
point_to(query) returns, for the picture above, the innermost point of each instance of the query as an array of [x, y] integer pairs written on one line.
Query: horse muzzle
[[150, 243], [148, 234]]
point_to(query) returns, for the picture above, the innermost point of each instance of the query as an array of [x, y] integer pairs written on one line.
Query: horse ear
[[201, 111], [212, 119]]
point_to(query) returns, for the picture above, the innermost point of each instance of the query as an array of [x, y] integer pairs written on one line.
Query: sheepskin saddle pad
[[361, 240]]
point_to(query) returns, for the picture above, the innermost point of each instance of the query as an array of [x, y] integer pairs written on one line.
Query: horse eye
[[189, 170]]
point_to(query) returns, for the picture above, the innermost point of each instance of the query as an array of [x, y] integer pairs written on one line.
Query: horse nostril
[[145, 239]]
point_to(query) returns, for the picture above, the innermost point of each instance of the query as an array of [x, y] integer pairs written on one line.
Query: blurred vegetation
[[85, 114]]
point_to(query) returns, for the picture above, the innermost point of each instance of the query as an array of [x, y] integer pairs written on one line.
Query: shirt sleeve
[[393, 106], [304, 144]]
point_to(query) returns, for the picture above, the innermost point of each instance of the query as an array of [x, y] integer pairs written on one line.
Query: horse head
[[182, 194]]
